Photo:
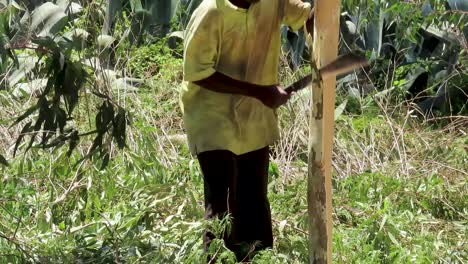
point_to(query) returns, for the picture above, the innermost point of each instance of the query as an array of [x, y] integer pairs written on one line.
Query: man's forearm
[[221, 83], [270, 95]]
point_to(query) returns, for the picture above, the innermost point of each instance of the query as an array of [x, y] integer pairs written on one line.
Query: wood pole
[[325, 50]]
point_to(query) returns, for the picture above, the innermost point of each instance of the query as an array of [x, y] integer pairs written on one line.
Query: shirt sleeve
[[202, 44], [296, 13]]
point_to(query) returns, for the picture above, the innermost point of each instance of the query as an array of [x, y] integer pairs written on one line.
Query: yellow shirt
[[243, 44]]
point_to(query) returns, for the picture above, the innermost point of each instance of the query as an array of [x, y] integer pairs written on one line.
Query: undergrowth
[[399, 186]]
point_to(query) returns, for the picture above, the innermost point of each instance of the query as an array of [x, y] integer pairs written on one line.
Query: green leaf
[[97, 143], [23, 132], [74, 138], [25, 115], [3, 160], [340, 109], [105, 160], [48, 43], [119, 128], [104, 117], [113, 7], [61, 119], [136, 5]]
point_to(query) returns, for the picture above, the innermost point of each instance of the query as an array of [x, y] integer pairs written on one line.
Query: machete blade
[[340, 65]]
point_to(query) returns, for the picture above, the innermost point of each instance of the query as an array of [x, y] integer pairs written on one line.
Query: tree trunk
[[325, 49]]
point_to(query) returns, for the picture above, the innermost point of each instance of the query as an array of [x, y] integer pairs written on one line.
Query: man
[[231, 58]]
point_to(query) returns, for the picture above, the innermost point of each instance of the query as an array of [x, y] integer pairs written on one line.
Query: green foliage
[[394, 208], [58, 68], [154, 60], [406, 40], [399, 185], [147, 206], [149, 19]]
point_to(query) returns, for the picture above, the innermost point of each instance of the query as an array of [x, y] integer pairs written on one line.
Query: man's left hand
[[309, 24]]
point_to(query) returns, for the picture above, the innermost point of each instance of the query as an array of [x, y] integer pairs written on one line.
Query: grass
[[399, 189]]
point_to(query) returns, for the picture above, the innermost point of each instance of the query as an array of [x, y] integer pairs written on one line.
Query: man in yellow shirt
[[231, 91]]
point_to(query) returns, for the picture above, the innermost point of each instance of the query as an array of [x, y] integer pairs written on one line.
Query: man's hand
[[309, 24], [270, 95], [274, 96]]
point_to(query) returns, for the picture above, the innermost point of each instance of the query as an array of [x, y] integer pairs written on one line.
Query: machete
[[342, 64]]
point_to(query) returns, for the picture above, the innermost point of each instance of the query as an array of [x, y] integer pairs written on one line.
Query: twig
[[73, 185], [448, 117], [213, 259], [449, 167], [25, 46], [293, 227], [17, 245], [17, 227]]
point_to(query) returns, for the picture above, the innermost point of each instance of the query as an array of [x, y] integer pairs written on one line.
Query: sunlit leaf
[[28, 88], [177, 34], [48, 19], [26, 65], [340, 109], [104, 41]]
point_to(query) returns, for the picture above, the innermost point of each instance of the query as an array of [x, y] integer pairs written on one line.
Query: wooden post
[[325, 50]]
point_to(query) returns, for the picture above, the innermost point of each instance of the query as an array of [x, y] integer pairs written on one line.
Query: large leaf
[[26, 64], [185, 8], [443, 35], [105, 41], [113, 7], [126, 85], [136, 6], [427, 9], [458, 5], [461, 5], [28, 88], [294, 45], [151, 16], [48, 19], [31, 4], [374, 30], [340, 109], [76, 38], [69, 7], [161, 11], [122, 85]]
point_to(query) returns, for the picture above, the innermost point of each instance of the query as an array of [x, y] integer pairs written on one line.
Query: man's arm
[[297, 13], [271, 95], [309, 24], [201, 47]]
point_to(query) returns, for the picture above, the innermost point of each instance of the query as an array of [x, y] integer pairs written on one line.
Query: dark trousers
[[237, 184]]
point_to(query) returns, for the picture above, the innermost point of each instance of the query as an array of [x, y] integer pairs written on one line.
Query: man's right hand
[[309, 24], [274, 96], [270, 95]]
